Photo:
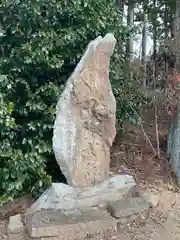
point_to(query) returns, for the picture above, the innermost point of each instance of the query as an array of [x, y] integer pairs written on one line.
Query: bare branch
[[145, 135]]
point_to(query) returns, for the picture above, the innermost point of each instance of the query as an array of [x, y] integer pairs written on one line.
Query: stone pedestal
[[84, 131], [69, 225], [64, 197], [71, 208]]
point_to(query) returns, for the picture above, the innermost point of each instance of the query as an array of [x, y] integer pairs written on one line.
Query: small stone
[[128, 207], [16, 236], [101, 205], [15, 224], [123, 237], [171, 187], [152, 199], [4, 237]]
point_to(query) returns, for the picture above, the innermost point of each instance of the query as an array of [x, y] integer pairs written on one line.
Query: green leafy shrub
[[41, 43], [17, 167], [127, 91], [6, 125]]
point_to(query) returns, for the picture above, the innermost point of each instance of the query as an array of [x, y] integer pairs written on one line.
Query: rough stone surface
[[61, 196], [17, 236], [123, 237], [15, 224], [84, 128], [151, 198], [69, 225], [127, 207]]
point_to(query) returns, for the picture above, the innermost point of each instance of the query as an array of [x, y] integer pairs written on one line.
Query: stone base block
[[127, 207], [69, 225], [64, 197], [15, 224], [15, 228], [16, 236]]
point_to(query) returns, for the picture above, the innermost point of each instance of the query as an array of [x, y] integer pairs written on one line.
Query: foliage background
[[41, 43]]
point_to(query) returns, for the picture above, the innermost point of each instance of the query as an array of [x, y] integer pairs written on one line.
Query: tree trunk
[[144, 42], [144, 49], [130, 21], [172, 22], [120, 5], [173, 150], [166, 33], [166, 29], [154, 22]]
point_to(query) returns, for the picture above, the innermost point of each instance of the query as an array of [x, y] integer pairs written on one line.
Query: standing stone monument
[[84, 131], [85, 123]]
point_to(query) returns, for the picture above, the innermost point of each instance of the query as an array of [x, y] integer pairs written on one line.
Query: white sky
[[137, 45], [137, 42]]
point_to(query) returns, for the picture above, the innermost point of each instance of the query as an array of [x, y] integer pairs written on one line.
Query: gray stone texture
[[84, 131], [15, 224], [69, 225], [64, 197], [128, 207], [84, 128]]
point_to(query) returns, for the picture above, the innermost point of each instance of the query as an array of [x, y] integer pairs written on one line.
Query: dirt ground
[[133, 154]]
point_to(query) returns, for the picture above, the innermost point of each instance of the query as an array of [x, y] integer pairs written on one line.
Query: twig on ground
[[154, 155], [117, 153], [132, 144], [147, 138], [145, 135]]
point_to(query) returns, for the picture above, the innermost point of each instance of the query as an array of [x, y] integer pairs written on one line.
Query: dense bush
[[7, 125], [128, 94], [41, 43]]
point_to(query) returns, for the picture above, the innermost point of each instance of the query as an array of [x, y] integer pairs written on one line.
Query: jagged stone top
[[84, 128]]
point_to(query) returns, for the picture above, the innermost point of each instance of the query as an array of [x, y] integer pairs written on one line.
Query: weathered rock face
[[84, 131], [66, 225], [84, 128], [65, 197]]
